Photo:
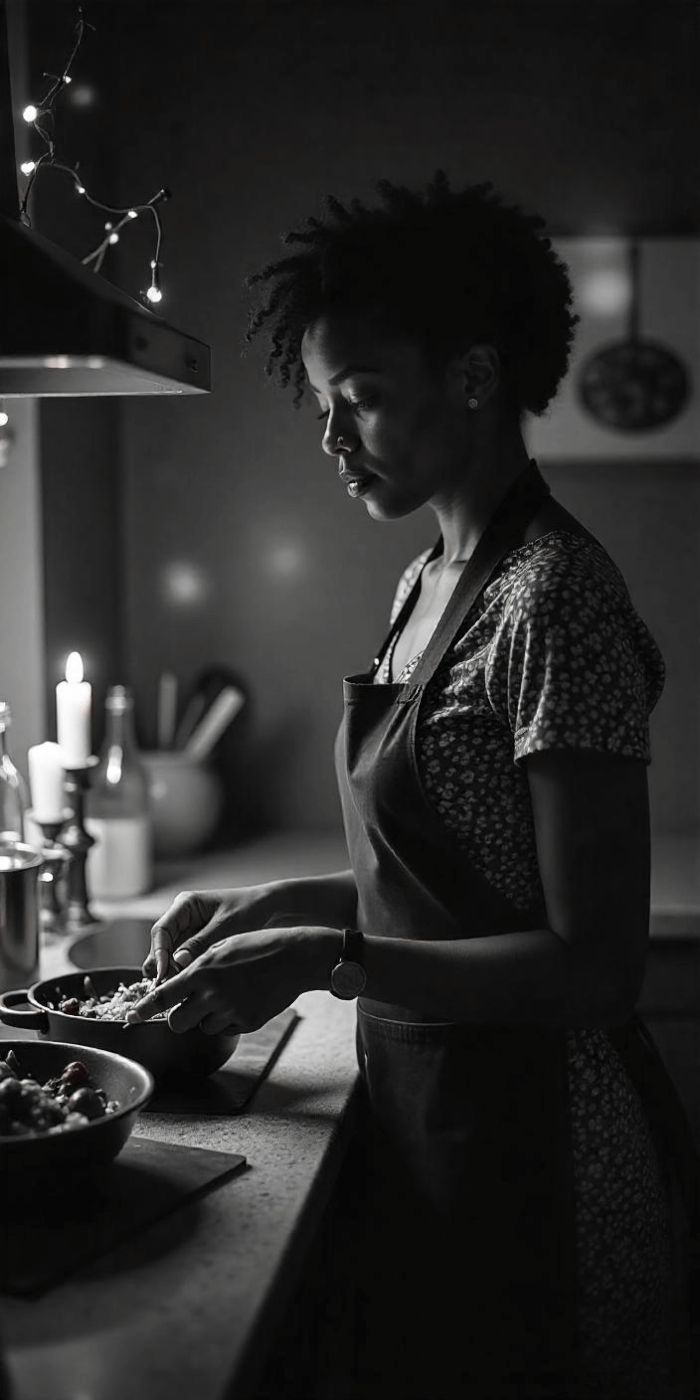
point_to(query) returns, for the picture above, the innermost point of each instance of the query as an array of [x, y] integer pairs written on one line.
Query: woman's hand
[[238, 983], [196, 920]]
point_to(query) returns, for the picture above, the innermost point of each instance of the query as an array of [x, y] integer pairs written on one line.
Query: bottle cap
[[119, 697]]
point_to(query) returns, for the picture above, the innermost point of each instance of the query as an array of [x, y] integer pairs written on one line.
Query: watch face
[[348, 980]]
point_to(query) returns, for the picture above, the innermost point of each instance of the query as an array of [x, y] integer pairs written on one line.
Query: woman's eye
[[357, 405]]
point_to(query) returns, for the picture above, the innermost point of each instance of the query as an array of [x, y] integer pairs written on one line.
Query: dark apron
[[464, 1164]]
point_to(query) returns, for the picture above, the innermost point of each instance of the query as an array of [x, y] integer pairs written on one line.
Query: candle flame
[[74, 668]]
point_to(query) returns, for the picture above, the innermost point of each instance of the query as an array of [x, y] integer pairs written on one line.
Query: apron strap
[[503, 532]]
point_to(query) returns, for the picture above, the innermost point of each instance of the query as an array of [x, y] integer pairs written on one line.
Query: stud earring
[[472, 403]]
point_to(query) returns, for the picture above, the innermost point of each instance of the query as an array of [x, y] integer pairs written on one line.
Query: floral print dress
[[556, 657]]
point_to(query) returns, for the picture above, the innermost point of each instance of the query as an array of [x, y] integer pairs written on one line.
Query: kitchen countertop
[[196, 1318], [675, 885], [190, 1308]]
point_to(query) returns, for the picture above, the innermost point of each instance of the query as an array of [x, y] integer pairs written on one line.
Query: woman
[[511, 1204]]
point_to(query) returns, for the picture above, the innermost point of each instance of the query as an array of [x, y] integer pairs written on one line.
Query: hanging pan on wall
[[636, 383]]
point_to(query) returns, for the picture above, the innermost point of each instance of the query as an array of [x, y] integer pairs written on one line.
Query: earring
[[472, 403]]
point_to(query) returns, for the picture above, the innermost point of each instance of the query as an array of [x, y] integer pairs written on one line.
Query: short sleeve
[[572, 665]]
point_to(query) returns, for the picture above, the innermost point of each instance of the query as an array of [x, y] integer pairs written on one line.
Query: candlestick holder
[[77, 842], [55, 856]]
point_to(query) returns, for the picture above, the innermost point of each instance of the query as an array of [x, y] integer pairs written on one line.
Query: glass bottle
[[13, 790], [118, 809]]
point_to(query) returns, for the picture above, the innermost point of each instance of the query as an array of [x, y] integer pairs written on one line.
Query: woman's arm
[[585, 968], [198, 918], [316, 899]]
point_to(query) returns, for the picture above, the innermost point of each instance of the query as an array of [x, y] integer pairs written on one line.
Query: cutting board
[[45, 1242]]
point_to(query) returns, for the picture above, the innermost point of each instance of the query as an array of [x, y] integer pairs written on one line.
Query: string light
[[154, 293], [4, 415], [42, 119]]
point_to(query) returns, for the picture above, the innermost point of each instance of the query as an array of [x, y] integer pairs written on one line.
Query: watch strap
[[353, 946]]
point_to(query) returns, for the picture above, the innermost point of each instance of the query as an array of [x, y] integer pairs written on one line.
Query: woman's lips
[[356, 484]]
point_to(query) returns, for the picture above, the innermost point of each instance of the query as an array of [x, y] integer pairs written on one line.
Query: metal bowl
[[55, 1157], [168, 1056]]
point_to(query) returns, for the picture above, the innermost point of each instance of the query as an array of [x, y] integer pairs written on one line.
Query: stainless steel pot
[[167, 1055], [19, 914]]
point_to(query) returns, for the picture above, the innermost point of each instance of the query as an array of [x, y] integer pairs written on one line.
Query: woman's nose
[[332, 441]]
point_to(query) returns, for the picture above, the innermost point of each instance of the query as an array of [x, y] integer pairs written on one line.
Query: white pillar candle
[[73, 714], [46, 782]]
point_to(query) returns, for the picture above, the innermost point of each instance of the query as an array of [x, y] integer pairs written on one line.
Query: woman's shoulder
[[564, 595], [559, 567]]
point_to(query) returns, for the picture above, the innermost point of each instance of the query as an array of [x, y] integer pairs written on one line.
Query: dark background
[[585, 113]]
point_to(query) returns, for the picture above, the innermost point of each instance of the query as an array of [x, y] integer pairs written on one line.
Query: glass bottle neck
[[119, 728]]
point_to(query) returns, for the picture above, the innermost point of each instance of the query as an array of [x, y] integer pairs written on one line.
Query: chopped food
[[69, 1100], [109, 1008]]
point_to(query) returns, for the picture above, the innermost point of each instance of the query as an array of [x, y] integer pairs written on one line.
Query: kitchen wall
[[61, 554], [239, 546]]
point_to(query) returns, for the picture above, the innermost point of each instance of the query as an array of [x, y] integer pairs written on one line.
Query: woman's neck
[[463, 515]]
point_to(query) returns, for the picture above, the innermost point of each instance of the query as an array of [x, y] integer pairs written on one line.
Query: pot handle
[[29, 1018]]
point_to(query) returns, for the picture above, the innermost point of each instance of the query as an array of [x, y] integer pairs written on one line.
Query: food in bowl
[[108, 1008], [64, 1102]]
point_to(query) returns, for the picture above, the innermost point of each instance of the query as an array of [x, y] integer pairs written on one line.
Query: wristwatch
[[348, 977]]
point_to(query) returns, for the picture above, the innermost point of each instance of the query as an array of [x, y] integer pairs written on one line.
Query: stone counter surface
[[191, 1308]]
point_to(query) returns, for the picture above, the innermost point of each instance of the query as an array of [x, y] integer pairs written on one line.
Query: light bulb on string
[[4, 415], [30, 113], [27, 166], [154, 292]]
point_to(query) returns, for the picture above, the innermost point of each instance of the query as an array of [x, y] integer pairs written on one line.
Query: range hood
[[64, 329]]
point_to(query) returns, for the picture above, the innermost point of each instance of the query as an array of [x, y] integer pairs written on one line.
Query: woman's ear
[[481, 373]]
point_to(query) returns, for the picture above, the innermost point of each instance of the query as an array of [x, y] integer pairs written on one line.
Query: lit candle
[[73, 711], [46, 782]]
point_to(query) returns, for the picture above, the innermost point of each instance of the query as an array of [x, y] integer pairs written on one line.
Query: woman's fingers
[[185, 1016], [185, 998], [161, 950], [163, 998], [187, 915]]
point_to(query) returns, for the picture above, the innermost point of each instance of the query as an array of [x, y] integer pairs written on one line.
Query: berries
[[70, 1006], [87, 1102], [65, 1102], [75, 1074]]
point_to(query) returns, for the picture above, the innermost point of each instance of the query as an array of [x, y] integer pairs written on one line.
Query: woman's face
[[404, 427]]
